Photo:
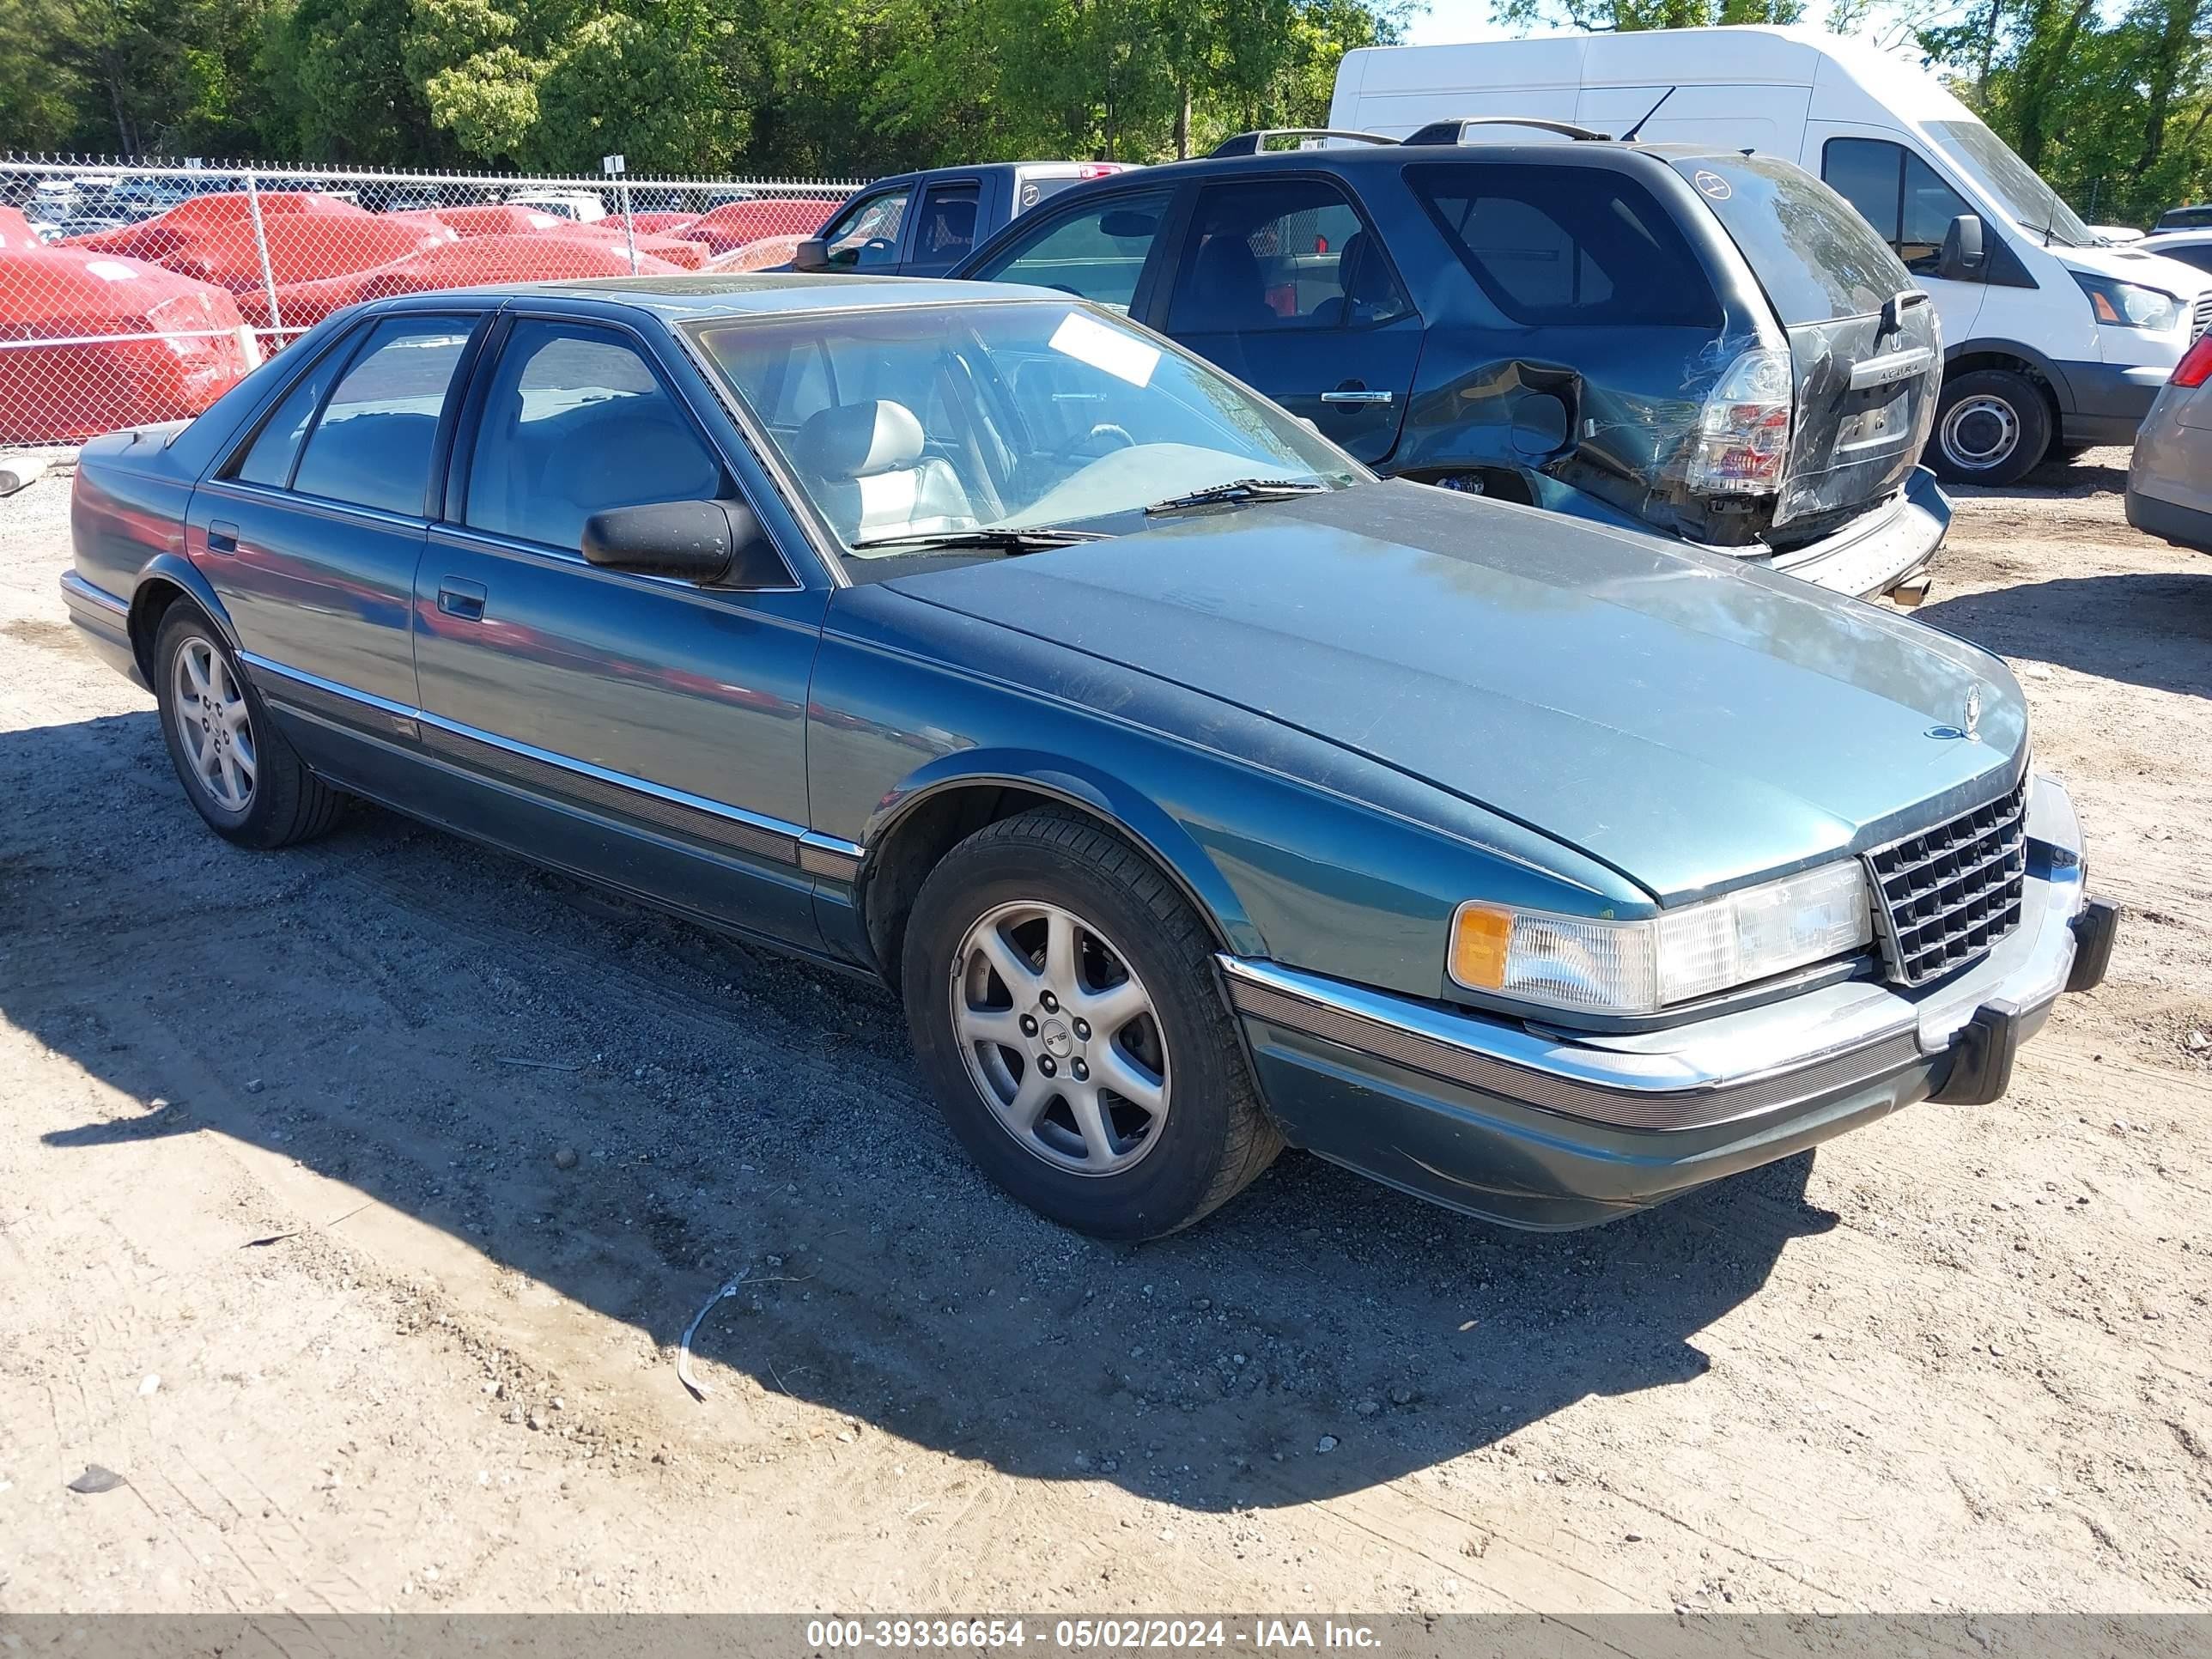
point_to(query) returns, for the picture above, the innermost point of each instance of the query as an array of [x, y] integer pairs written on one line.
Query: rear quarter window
[[1568, 246], [1815, 256]]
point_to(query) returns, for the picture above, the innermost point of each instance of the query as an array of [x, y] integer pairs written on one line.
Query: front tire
[[239, 775], [1992, 426], [1062, 998]]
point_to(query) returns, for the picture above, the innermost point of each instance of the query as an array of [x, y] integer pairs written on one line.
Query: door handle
[[1357, 395], [222, 538], [459, 599]]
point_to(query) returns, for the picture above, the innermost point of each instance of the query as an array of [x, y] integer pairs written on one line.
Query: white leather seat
[[875, 480]]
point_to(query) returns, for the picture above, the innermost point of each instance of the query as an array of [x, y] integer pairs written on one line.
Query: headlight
[[1678, 956], [2130, 305]]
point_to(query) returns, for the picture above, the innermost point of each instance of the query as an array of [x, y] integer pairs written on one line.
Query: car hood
[[2134, 262], [1691, 723]]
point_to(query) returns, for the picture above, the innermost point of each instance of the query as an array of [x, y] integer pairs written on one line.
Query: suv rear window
[[1816, 258], [1568, 246]]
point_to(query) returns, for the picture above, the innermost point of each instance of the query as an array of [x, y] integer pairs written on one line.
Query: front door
[[1283, 283], [651, 730]]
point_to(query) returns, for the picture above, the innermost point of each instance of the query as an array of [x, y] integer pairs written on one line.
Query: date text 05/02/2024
[[1087, 1635]]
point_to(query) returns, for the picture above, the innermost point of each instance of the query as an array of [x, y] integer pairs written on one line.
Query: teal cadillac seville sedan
[[1199, 792]]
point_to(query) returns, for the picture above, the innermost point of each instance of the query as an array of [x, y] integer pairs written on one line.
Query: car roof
[[1352, 158], [684, 299]]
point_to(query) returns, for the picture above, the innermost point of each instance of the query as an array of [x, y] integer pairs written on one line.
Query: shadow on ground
[[2153, 630], [430, 1023]]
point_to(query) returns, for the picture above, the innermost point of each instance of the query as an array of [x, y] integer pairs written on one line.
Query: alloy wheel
[[1061, 1037], [216, 725]]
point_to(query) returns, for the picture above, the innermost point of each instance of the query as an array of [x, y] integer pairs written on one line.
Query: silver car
[[2170, 482]]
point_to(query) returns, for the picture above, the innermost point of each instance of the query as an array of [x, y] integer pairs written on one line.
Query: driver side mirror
[[812, 254], [714, 543], [1961, 259]]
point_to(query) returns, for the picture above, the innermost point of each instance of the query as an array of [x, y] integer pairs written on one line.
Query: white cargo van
[[2054, 339]]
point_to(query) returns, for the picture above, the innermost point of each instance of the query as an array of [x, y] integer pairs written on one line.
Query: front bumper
[[1878, 549], [1538, 1127], [2104, 402]]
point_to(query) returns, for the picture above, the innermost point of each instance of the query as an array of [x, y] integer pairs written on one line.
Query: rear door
[[1284, 283], [311, 531], [1865, 348]]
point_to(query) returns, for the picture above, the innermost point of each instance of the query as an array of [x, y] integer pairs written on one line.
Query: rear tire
[[1022, 930], [1992, 427], [239, 773]]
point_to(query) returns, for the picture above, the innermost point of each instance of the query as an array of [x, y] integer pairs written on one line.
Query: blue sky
[[1448, 20]]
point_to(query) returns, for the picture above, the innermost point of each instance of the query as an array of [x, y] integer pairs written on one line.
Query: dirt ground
[[284, 1245]]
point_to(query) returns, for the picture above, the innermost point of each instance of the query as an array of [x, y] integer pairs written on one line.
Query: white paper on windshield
[[1122, 355]]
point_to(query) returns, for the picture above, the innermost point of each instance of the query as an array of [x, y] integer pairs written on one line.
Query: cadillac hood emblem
[[1970, 719]]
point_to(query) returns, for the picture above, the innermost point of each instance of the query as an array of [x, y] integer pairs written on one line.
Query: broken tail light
[[1742, 441]]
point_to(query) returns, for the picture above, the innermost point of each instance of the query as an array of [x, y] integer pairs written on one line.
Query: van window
[[1817, 259], [1898, 194], [1566, 246]]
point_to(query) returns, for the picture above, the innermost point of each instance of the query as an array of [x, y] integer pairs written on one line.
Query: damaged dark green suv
[[1702, 343]]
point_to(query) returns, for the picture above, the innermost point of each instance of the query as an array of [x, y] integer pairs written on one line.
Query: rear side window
[[576, 422], [1567, 246], [1817, 259], [1279, 254], [270, 460], [372, 447], [946, 229]]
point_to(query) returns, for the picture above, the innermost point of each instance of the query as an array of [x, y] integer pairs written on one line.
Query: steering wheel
[[875, 249], [1107, 437]]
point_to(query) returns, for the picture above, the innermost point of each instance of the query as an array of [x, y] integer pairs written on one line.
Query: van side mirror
[[718, 544], [812, 254], [1961, 260]]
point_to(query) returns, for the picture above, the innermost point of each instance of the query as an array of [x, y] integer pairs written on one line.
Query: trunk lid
[[1866, 389], [1866, 352]]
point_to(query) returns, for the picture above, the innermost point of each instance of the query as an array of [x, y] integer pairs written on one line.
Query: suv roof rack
[[1252, 144], [1453, 132]]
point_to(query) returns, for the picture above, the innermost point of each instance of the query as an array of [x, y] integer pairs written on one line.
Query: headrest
[[855, 440]]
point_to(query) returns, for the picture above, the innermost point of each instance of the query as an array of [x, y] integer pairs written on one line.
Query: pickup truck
[[923, 224]]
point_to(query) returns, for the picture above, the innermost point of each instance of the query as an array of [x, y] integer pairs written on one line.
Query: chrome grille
[[1947, 896], [2202, 319]]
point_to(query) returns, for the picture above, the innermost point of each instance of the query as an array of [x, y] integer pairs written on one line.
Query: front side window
[[868, 233], [575, 423], [372, 447], [1097, 254], [1568, 246], [940, 421], [1286, 253]]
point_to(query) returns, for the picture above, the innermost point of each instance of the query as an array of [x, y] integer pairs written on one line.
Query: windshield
[[2033, 204], [925, 422]]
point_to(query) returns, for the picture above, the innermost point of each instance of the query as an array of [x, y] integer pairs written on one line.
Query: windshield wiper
[[1006, 538], [1243, 489]]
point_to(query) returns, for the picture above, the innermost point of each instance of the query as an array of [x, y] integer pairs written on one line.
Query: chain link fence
[[131, 293]]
